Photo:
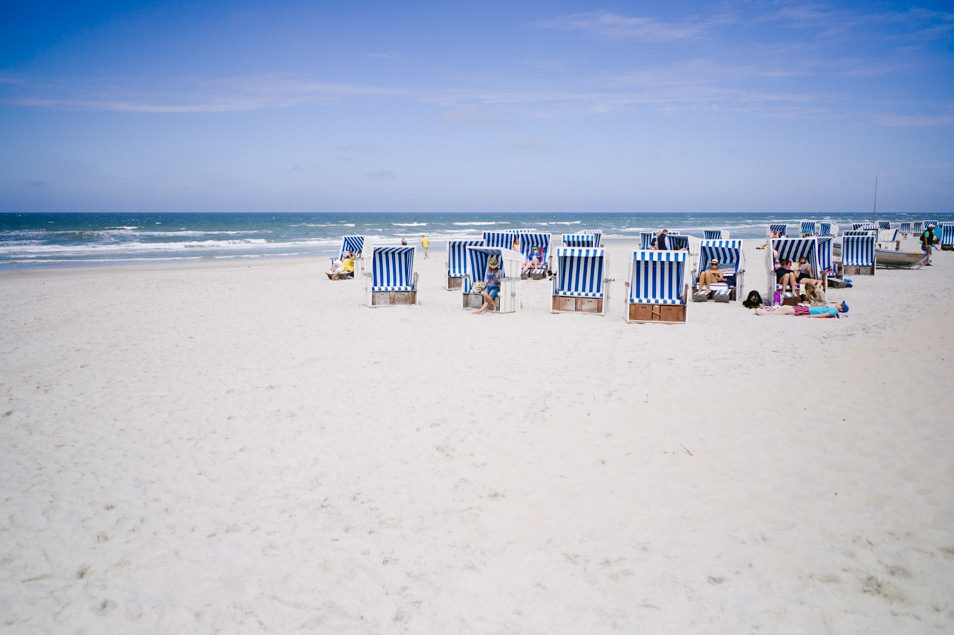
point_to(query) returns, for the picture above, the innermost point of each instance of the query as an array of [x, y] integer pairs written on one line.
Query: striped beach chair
[[826, 261], [657, 287], [504, 239], [457, 260], [917, 227], [791, 249], [714, 234], [779, 229], [947, 236], [478, 258], [579, 285], [884, 224], [677, 242], [808, 227], [646, 240], [827, 229], [580, 240], [730, 257], [529, 241], [858, 255], [865, 226], [392, 280], [905, 228]]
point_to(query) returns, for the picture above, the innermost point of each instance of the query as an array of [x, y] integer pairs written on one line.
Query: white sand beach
[[247, 448]]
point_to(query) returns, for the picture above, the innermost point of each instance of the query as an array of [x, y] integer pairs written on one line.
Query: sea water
[[84, 239]]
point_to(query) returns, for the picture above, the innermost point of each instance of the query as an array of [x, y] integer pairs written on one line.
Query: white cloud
[[616, 26]]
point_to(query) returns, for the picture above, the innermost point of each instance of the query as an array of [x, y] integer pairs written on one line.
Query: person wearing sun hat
[[709, 276], [492, 288]]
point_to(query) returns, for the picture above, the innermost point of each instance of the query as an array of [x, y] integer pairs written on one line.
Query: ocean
[[89, 239]]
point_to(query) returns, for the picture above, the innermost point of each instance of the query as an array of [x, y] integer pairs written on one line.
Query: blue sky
[[493, 106]]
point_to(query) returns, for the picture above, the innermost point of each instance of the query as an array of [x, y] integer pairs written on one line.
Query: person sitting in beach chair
[[785, 277], [491, 286], [709, 277], [805, 275], [344, 270], [660, 240], [535, 261], [802, 310]]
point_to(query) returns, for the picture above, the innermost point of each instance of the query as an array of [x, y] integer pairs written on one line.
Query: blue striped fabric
[[894, 236], [457, 256], [931, 222], [826, 262], [646, 240], [500, 239], [353, 243], [677, 243], [597, 235], [864, 226], [658, 277], [779, 228], [808, 227], [712, 234], [795, 248], [824, 229], [580, 272], [392, 269], [917, 227], [857, 232], [580, 240], [905, 228], [727, 252], [858, 251], [947, 234], [884, 224], [530, 240]]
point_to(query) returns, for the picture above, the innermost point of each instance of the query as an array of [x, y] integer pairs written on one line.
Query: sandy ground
[[247, 449]]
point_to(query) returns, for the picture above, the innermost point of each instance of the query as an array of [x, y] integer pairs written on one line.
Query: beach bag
[[777, 298], [478, 287], [753, 300]]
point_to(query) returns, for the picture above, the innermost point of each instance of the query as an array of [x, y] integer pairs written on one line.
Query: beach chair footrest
[[666, 313], [393, 298], [577, 305]]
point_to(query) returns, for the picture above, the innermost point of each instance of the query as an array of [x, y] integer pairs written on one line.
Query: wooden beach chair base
[[857, 270], [570, 304], [454, 282], [947, 247], [660, 313], [393, 298]]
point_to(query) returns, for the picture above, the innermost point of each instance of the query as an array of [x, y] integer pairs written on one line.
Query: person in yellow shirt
[[345, 270], [425, 243]]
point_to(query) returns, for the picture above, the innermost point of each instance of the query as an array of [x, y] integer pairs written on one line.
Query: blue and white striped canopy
[[646, 240], [676, 242], [808, 227], [580, 272], [858, 251], [727, 252], [580, 240], [931, 222], [712, 234], [500, 239], [658, 277], [864, 226], [918, 227], [905, 228], [825, 261], [779, 228], [857, 232], [824, 229], [530, 240], [354, 243], [457, 256], [884, 224], [795, 248], [947, 234], [596, 233], [392, 269]]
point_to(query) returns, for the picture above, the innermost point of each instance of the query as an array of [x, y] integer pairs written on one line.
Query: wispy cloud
[[914, 121], [615, 26]]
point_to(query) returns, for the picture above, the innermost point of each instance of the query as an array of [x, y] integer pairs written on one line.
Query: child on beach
[[425, 243]]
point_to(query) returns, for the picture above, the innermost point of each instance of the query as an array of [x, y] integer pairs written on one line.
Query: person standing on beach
[[661, 240], [425, 243], [928, 240]]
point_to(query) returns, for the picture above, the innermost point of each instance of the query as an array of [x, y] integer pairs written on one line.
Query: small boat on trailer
[[893, 259]]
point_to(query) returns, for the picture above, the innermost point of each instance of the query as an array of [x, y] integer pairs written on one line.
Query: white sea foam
[[409, 224], [481, 222]]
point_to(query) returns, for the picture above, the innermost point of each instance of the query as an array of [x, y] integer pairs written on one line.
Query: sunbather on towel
[[801, 310], [709, 276]]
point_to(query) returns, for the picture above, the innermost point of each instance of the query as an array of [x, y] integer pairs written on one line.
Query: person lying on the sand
[[800, 310], [710, 276]]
